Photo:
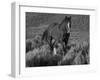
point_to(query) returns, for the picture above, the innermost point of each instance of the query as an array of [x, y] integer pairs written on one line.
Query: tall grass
[[77, 54], [39, 54]]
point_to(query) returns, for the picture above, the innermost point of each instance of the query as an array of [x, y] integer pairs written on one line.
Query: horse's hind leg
[[64, 50], [51, 44]]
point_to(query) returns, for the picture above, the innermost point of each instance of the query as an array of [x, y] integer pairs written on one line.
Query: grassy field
[[39, 54]]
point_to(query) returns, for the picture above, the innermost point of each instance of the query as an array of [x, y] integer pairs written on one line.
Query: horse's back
[[53, 31], [51, 26]]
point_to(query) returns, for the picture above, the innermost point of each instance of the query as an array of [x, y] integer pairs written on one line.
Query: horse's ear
[[66, 17], [69, 17]]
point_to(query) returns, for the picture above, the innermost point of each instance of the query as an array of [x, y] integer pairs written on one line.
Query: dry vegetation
[[39, 54]]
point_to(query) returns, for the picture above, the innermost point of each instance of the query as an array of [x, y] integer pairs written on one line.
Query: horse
[[58, 33]]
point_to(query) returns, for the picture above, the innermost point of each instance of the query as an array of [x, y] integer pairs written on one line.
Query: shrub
[[42, 57], [40, 54], [33, 43], [78, 54], [28, 45]]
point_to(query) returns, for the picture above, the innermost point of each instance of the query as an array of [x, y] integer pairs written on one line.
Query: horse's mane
[[52, 25]]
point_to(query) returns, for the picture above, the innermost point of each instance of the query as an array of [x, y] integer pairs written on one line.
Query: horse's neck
[[62, 26]]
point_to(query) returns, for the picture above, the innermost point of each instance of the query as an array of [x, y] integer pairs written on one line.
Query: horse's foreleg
[[51, 45], [64, 49], [54, 51]]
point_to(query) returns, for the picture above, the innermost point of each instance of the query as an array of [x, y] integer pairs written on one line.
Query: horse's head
[[67, 22], [65, 28]]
